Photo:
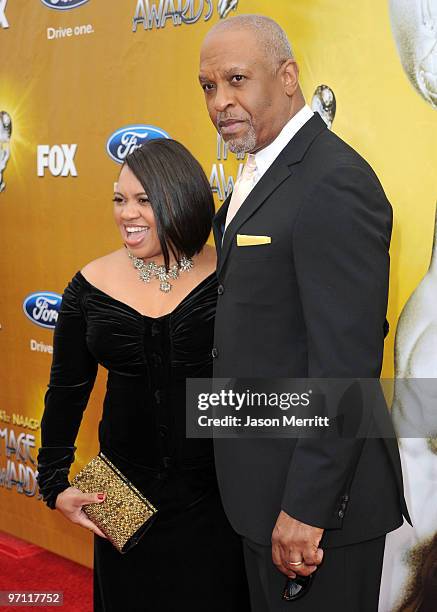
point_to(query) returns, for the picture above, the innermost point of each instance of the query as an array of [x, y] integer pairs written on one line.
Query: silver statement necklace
[[148, 271]]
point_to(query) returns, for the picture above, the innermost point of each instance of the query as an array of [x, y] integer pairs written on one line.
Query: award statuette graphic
[[414, 26], [408, 583], [224, 7], [414, 552], [5, 138], [325, 104]]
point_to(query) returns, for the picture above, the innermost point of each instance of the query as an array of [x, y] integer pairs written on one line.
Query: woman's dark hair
[[179, 193]]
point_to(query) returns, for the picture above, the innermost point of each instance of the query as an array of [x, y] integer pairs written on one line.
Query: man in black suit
[[303, 268]]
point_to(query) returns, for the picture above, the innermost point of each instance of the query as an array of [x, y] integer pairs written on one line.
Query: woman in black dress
[[151, 331]]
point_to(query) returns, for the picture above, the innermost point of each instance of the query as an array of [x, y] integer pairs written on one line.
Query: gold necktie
[[242, 188]]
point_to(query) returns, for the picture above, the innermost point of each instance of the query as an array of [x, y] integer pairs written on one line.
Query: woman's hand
[[70, 503]]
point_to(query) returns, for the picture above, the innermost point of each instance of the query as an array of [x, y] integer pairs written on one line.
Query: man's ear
[[290, 76]]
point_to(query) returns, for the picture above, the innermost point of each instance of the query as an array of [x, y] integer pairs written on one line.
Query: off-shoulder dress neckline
[[137, 312]]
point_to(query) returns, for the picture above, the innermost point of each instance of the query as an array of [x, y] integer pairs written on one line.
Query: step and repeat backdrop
[[84, 82]]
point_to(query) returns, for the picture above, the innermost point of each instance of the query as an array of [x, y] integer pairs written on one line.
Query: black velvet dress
[[190, 558]]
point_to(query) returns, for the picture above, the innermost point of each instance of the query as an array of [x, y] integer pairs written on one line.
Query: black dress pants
[[348, 580]]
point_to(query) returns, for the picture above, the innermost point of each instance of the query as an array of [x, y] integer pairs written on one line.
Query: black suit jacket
[[310, 304]]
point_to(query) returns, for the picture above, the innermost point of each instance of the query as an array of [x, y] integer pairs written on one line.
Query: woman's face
[[134, 216]]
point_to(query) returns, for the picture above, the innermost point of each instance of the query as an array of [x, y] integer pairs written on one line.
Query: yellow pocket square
[[245, 240]]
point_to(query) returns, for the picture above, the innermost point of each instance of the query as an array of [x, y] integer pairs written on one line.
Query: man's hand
[[296, 542]]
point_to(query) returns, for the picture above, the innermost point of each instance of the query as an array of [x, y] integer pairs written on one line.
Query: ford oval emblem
[[63, 5], [127, 139], [42, 308]]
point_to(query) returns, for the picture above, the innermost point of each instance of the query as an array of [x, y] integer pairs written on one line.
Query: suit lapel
[[279, 171], [218, 223], [259, 194]]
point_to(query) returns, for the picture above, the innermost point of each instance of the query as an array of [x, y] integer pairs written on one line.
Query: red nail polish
[[100, 495]]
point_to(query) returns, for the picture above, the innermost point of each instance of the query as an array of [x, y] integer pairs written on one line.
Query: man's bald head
[[269, 35]]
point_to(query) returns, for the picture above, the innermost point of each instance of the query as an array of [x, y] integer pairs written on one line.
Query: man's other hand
[[296, 542]]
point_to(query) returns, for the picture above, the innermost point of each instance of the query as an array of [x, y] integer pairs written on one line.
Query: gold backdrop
[[70, 77]]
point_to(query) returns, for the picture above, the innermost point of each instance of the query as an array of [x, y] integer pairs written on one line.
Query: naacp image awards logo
[[156, 13]]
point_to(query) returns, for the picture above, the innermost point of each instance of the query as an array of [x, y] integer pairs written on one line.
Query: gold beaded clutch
[[126, 514]]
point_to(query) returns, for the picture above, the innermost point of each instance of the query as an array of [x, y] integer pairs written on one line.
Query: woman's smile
[[135, 234]]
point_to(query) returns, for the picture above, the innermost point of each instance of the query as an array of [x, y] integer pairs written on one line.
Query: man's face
[[245, 97]]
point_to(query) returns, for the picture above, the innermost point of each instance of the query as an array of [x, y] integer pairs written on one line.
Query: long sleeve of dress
[[72, 377]]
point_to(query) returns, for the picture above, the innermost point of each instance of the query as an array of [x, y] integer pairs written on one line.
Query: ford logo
[[42, 308], [127, 139], [63, 5]]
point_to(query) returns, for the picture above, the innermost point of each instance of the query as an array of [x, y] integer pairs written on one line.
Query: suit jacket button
[[156, 359], [220, 289], [156, 329], [214, 353], [168, 462], [341, 514], [345, 498]]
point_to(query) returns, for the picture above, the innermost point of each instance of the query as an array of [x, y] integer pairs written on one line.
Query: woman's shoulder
[[206, 260], [205, 264], [210, 253], [96, 272]]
